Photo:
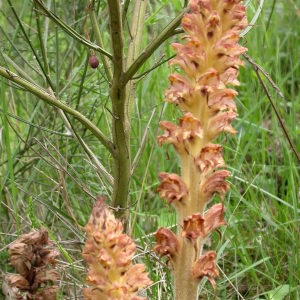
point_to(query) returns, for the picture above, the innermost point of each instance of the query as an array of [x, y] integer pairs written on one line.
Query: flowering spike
[[109, 254], [209, 62]]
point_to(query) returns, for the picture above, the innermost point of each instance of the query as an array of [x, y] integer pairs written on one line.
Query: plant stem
[[183, 282], [7, 140], [184, 289], [120, 114]]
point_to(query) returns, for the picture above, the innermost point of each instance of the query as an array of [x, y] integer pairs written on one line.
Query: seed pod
[[93, 61]]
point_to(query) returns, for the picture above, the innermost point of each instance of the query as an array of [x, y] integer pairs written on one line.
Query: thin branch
[[142, 145], [45, 96], [152, 46], [256, 66], [116, 36], [124, 10], [98, 37], [158, 64], [70, 31], [258, 69]]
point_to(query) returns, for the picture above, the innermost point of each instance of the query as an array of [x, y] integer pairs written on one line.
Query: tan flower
[[222, 100], [214, 218], [220, 123], [193, 228], [18, 281], [210, 158], [182, 92], [183, 136]]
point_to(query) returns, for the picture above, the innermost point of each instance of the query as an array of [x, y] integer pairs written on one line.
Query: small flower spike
[[109, 253], [32, 256]]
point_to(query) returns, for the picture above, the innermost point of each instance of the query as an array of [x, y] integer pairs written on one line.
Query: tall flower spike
[[109, 253], [209, 61]]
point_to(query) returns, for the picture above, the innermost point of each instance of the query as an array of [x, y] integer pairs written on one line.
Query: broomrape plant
[[108, 252], [209, 61], [33, 255]]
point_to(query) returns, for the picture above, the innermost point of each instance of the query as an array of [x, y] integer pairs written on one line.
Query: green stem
[[42, 45], [121, 123], [50, 99], [9, 158]]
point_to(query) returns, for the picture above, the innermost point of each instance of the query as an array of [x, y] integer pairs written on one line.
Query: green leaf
[[279, 293]]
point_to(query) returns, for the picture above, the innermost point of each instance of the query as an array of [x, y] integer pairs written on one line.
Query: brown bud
[[93, 61]]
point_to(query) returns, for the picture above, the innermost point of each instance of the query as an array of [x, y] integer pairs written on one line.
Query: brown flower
[[167, 243], [214, 184], [206, 267], [193, 228], [31, 255], [220, 123], [172, 188], [182, 92], [214, 218], [210, 158], [184, 136]]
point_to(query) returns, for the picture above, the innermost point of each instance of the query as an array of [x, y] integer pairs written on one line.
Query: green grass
[[47, 179]]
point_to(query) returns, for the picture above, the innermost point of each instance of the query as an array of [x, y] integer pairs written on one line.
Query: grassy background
[[47, 179]]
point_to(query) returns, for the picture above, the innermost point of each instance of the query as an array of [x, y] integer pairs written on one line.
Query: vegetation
[[52, 167]]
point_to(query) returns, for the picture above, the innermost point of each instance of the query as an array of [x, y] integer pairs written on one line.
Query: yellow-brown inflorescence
[[209, 61], [109, 252]]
